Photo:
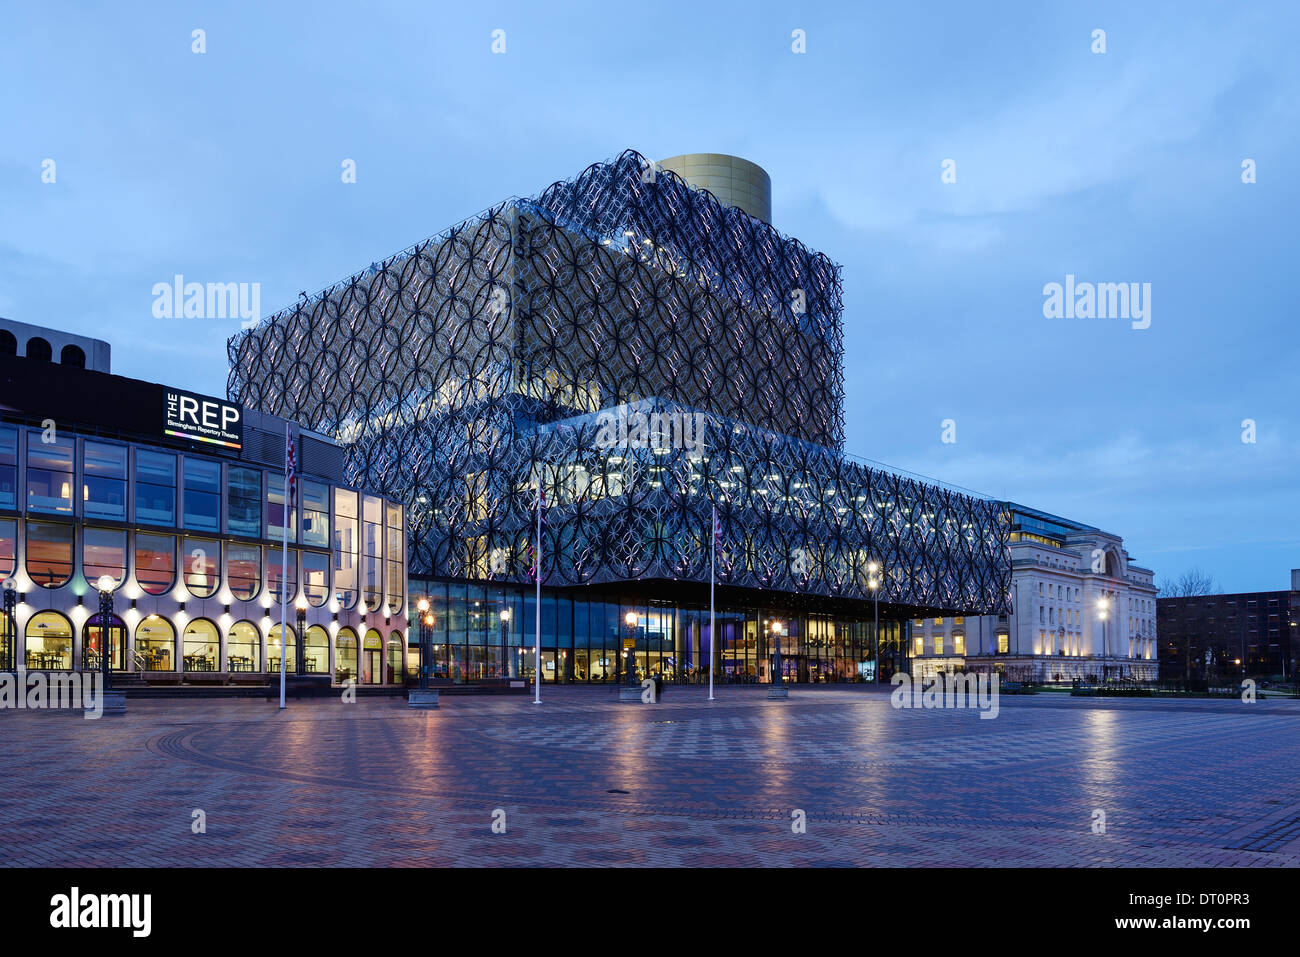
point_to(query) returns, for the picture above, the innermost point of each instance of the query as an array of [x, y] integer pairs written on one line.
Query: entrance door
[[372, 666], [90, 647]]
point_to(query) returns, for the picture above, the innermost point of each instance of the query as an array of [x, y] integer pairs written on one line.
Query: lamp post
[[1103, 610], [630, 646], [873, 583], [505, 633], [11, 624], [778, 678], [423, 607], [105, 585], [300, 640]]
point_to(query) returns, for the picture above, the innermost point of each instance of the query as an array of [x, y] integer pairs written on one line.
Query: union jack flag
[[292, 465]]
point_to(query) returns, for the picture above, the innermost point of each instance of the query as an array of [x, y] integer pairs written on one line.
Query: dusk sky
[[1122, 166]]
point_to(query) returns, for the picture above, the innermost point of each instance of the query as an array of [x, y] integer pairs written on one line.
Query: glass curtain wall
[[481, 632]]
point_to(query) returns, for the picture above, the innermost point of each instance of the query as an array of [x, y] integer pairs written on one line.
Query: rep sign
[[202, 419]]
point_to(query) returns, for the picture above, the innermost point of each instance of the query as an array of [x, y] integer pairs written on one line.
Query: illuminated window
[[49, 553], [202, 566], [155, 644], [103, 553], [275, 510], [49, 642], [346, 540], [1003, 644], [393, 553], [155, 563], [243, 570], [202, 646], [49, 473], [274, 562], [938, 644], [315, 514], [372, 542], [345, 653], [244, 647], [315, 577], [316, 651], [8, 543], [920, 644], [959, 644]]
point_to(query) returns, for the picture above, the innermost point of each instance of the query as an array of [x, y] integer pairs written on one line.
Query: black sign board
[[202, 418]]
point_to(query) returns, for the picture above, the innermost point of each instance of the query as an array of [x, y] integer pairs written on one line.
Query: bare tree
[[1189, 584]]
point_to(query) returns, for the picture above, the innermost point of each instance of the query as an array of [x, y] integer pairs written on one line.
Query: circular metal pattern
[[459, 371]]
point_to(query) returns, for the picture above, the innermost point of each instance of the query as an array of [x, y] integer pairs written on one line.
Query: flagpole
[[537, 616], [713, 557], [284, 563]]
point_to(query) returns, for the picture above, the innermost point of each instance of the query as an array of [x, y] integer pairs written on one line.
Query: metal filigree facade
[[467, 368]]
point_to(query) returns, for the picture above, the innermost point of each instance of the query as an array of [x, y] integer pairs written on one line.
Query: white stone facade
[[1082, 609]]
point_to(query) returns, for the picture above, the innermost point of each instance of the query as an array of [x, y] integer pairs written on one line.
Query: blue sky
[[1115, 167]]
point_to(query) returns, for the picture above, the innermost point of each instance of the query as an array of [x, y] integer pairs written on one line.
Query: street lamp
[[505, 630], [105, 585], [1103, 609], [11, 624], [423, 607], [630, 620], [301, 638], [873, 583], [776, 629]]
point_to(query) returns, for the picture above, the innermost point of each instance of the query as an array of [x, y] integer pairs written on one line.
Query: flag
[[292, 470], [717, 529]]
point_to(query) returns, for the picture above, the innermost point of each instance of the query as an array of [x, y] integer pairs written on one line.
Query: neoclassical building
[[1081, 608], [179, 499]]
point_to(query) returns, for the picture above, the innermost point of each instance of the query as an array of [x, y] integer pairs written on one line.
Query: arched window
[[38, 348], [202, 562], [155, 644], [244, 647], [49, 642], [155, 562], [90, 644], [316, 651], [372, 658], [8, 343], [243, 570], [315, 578], [8, 546], [394, 658], [345, 655], [103, 553], [273, 650], [49, 553], [202, 642], [73, 356]]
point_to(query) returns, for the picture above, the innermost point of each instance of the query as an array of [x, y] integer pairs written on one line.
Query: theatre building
[[179, 499], [625, 353]]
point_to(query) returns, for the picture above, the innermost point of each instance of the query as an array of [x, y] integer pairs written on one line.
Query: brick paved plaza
[[584, 780]]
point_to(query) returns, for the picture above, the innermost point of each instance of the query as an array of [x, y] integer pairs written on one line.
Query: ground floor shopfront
[[477, 632]]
